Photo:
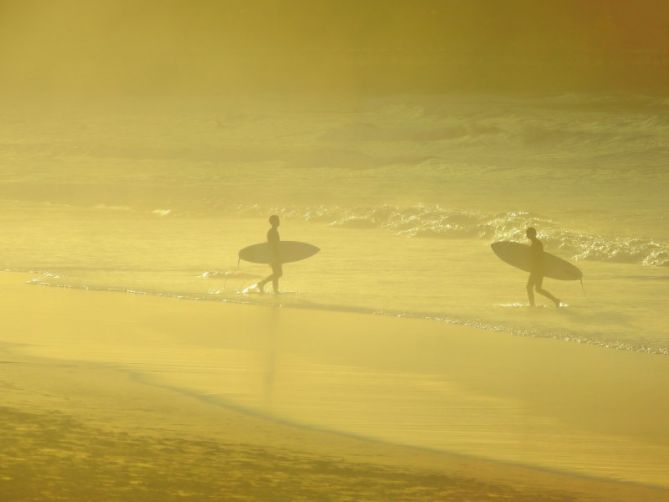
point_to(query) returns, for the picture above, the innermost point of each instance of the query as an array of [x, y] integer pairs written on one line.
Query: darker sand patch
[[52, 456]]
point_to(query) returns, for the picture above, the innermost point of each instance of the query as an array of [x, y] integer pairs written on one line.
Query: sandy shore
[[127, 397]]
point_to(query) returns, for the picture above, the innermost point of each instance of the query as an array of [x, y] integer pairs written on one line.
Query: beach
[[131, 396], [156, 157]]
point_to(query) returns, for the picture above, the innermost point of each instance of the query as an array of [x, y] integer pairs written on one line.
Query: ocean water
[[403, 195]]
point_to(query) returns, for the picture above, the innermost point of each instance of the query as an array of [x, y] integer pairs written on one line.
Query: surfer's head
[[274, 220], [531, 233]]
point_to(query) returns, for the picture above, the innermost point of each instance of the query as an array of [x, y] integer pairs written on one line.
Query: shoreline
[[405, 473], [463, 457], [333, 308], [68, 355]]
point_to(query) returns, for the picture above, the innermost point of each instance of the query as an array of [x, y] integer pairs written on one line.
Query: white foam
[[424, 221]]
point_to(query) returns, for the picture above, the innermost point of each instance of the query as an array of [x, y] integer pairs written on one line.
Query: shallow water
[[621, 305]]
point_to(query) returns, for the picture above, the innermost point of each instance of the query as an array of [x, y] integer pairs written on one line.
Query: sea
[[403, 194]]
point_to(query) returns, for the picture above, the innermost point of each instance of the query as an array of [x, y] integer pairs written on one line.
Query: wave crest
[[440, 223]]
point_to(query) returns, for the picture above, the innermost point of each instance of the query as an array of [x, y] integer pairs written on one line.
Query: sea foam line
[[281, 302], [436, 222]]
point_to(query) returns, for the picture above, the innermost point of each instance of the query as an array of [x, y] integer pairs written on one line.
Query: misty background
[[216, 47]]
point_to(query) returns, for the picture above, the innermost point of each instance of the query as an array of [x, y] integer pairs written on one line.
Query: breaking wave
[[440, 223]]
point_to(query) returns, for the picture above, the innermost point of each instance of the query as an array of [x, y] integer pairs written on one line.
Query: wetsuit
[[536, 279]]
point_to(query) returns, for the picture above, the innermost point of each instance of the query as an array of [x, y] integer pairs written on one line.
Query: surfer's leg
[[530, 290], [261, 284], [278, 272], [539, 287]]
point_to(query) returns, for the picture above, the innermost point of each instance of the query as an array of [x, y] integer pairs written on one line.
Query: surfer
[[273, 240], [534, 283]]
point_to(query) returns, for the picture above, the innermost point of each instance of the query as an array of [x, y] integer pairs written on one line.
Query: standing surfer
[[537, 269], [273, 240]]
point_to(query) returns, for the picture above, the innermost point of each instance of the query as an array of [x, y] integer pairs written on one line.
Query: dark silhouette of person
[[273, 240], [534, 283]]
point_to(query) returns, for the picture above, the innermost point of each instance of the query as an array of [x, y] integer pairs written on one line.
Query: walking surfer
[[534, 283], [273, 240]]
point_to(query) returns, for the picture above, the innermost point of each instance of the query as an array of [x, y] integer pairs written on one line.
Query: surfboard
[[289, 251], [518, 255]]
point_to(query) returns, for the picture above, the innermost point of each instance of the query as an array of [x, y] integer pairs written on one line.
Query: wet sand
[[119, 396]]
